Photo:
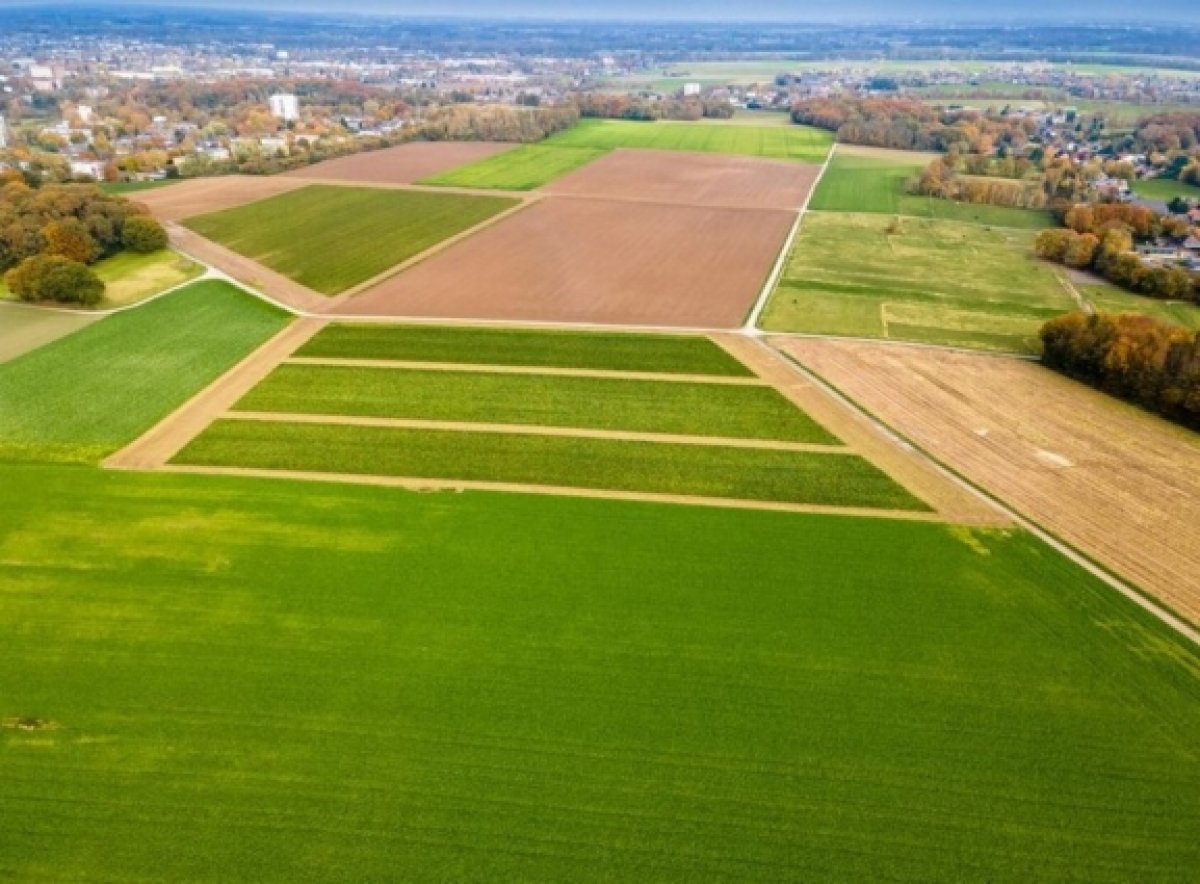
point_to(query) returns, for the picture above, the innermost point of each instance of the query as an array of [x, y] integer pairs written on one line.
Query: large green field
[[331, 238], [602, 403], [241, 680], [873, 180], [938, 282], [802, 143], [524, 168], [613, 351], [1165, 189], [84, 396]]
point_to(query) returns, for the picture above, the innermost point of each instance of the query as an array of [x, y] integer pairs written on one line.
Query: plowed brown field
[[1117, 483], [400, 165], [202, 195], [595, 261], [694, 179]]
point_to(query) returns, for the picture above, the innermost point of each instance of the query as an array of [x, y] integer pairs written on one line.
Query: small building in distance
[[691, 89], [285, 107]]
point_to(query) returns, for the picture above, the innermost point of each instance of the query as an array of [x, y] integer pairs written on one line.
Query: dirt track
[[1119, 484], [400, 165], [594, 261], [693, 179], [200, 196]]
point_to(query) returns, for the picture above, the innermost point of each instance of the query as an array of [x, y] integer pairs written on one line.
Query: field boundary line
[[550, 371], [169, 436], [750, 326], [1078, 556], [421, 188], [435, 249], [397, 423], [457, 486]]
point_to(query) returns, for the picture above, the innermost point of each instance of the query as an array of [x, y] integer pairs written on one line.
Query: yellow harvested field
[[1117, 483]]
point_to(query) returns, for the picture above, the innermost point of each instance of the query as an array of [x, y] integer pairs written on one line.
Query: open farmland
[[919, 280], [1108, 298], [24, 328], [802, 143], [404, 164], [93, 391], [524, 168], [1120, 484], [331, 238], [199, 196], [553, 689], [1165, 189], [692, 179], [871, 179], [594, 261]]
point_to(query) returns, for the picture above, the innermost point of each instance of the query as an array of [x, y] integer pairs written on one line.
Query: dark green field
[[524, 168], [84, 396], [701, 409], [333, 238], [243, 680], [673, 354]]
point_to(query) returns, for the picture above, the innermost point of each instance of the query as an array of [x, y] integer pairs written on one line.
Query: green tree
[[141, 233]]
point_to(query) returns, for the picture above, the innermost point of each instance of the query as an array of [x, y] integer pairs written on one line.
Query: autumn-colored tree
[[55, 278], [70, 239]]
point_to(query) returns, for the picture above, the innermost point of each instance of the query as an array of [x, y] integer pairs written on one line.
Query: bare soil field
[[200, 196], [1121, 485], [400, 165], [692, 179], [599, 262]]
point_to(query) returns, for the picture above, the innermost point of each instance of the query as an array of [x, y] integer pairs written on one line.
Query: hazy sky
[[941, 11]]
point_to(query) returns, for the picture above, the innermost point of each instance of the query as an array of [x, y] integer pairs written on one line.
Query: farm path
[[478, 368], [533, 430], [906, 466], [163, 441], [455, 486]]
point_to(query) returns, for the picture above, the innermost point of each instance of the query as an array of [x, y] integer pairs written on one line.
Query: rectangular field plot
[[653, 467], [404, 164], [529, 688], [867, 179], [330, 238], [670, 354], [692, 179], [523, 168], [700, 409], [802, 143], [917, 280], [595, 262], [200, 196]]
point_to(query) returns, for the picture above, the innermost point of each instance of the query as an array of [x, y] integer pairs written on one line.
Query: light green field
[[129, 277], [671, 354], [273, 681], [802, 143], [556, 461], [874, 180], [524, 168], [332, 238], [84, 396], [699, 409], [1110, 299], [23, 328], [1165, 189], [936, 282], [127, 187]]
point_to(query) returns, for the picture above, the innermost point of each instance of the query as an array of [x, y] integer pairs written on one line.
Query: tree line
[[50, 235], [1138, 358], [612, 106], [942, 180]]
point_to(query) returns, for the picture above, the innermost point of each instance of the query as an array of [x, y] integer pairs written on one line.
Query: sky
[[938, 11]]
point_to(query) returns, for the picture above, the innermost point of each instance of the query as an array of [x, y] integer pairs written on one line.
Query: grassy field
[[592, 403], [574, 462], [917, 280], [1165, 189], [23, 329], [129, 277], [88, 394], [873, 180], [780, 142], [524, 168], [332, 238], [258, 680], [127, 187], [672, 354], [1110, 299]]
